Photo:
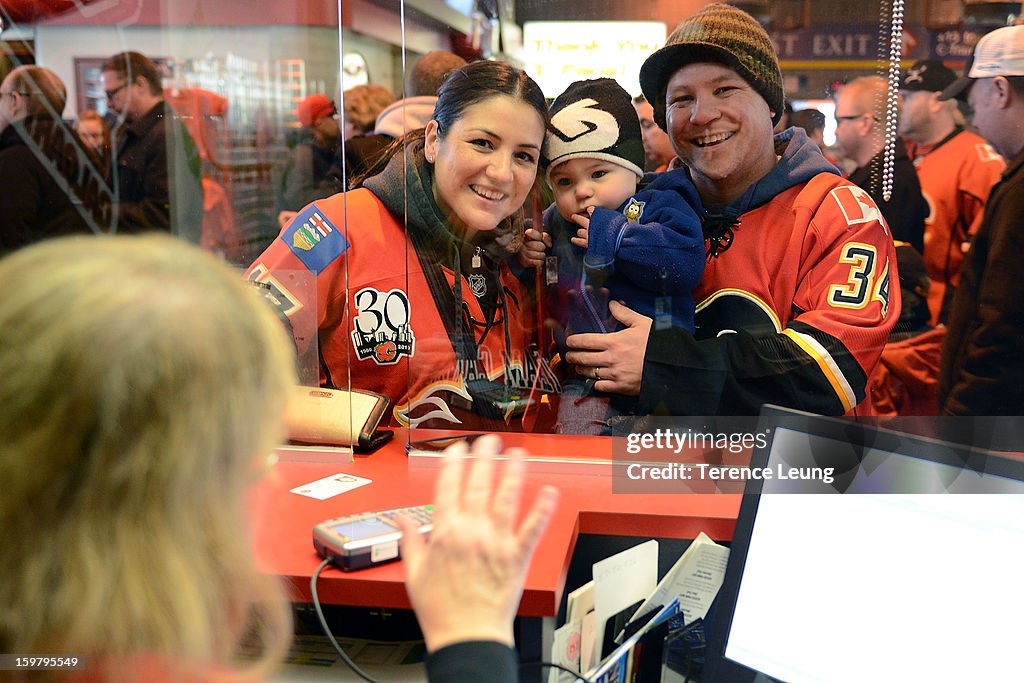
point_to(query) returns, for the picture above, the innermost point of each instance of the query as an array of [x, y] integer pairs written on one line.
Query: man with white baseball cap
[[982, 371], [998, 60]]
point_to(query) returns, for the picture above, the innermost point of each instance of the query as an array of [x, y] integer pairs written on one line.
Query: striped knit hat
[[722, 34]]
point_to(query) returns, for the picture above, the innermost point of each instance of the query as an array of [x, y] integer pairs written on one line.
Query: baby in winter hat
[[645, 246]]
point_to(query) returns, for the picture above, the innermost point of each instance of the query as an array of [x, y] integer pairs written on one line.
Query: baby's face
[[581, 183]]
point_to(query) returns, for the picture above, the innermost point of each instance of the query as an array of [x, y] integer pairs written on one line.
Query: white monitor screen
[[882, 586]]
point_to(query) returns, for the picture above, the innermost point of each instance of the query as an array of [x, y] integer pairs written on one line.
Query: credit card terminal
[[367, 539]]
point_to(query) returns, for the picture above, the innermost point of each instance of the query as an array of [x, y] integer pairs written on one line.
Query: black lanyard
[[448, 301]]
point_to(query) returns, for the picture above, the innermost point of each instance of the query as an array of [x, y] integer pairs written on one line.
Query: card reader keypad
[[424, 514]]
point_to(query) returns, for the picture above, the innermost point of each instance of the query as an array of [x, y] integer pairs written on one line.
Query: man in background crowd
[[657, 143], [982, 370], [956, 169], [417, 107], [403, 115], [813, 123], [305, 176], [860, 133], [784, 122], [157, 169], [49, 183]]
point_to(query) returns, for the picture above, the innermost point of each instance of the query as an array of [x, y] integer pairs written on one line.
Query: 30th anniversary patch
[[382, 330]]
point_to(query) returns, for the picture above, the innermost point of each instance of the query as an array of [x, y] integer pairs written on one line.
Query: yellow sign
[[557, 53]]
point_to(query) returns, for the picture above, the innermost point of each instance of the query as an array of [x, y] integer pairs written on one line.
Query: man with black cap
[[982, 369], [796, 300], [956, 168]]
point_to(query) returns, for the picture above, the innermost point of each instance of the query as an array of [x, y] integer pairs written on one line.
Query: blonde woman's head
[[143, 385]]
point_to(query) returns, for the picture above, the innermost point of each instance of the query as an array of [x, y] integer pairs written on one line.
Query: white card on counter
[[328, 487]]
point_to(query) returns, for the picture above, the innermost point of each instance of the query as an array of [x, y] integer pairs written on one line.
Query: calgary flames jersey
[[795, 311], [956, 178], [377, 322]]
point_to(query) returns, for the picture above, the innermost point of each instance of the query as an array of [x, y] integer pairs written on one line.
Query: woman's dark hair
[[479, 81], [464, 87]]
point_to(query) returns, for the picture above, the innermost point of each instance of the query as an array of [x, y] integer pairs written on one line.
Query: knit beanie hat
[[722, 34], [595, 120]]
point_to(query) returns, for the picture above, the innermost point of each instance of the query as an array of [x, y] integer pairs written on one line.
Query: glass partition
[[271, 109], [819, 45]]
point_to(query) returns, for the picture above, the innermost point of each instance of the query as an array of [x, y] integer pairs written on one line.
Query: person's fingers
[[605, 377], [580, 220], [413, 545], [449, 483], [590, 341], [488, 444], [580, 242], [625, 315], [506, 498], [536, 520], [477, 497], [546, 238]]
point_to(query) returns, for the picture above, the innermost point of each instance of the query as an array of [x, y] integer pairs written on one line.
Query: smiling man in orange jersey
[[797, 298]]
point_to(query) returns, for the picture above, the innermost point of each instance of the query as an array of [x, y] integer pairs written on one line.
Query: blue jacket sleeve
[[663, 249]]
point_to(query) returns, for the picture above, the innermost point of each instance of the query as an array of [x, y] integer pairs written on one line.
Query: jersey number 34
[[864, 283]]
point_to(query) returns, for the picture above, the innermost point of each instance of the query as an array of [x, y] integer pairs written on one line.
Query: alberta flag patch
[[314, 239]]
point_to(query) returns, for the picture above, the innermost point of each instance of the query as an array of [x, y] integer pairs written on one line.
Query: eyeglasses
[[112, 93], [12, 93], [855, 116]]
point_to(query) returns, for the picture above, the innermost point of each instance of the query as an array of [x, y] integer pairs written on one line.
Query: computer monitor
[[905, 567]]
